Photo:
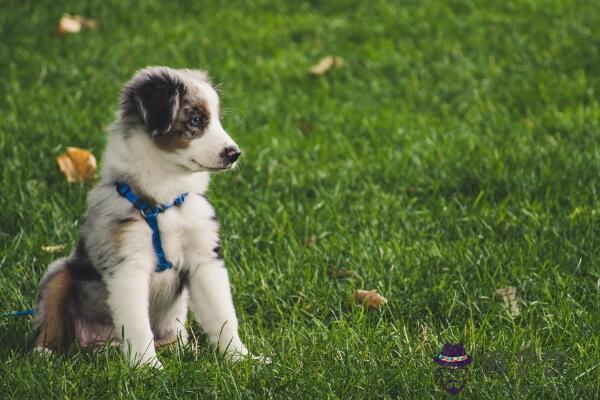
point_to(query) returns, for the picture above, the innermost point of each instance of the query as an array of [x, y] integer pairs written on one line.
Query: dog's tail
[[53, 322]]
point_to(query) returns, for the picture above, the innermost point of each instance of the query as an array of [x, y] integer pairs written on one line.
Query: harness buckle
[[148, 211]]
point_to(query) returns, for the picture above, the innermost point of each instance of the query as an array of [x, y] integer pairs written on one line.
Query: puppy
[[118, 285]]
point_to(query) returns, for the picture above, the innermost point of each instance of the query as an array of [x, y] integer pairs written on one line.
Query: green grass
[[454, 153]]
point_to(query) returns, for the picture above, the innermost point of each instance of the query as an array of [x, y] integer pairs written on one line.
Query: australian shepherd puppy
[[166, 139]]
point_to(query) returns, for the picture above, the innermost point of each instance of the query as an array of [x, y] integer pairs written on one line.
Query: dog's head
[[179, 111]]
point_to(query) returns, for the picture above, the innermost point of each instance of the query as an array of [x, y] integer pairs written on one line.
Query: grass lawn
[[454, 153]]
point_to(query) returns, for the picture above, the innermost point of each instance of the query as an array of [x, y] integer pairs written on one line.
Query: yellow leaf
[[370, 298], [74, 24], [53, 248], [77, 165], [326, 64]]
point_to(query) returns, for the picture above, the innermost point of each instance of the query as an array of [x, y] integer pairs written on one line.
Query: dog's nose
[[231, 154]]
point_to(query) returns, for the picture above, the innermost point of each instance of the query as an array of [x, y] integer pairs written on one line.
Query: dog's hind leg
[[53, 320]]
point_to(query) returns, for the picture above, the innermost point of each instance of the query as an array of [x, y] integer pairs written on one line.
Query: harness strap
[[150, 214]]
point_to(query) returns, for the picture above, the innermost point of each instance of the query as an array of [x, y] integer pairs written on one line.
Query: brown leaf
[[509, 297], [74, 24], [53, 248], [370, 298], [77, 165], [341, 273], [326, 64]]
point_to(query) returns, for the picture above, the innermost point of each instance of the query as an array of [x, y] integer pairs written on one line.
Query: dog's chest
[[188, 231]]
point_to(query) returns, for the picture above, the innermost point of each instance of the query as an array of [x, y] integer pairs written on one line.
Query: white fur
[[188, 235]]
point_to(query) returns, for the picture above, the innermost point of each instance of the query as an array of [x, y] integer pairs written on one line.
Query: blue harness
[[150, 214]]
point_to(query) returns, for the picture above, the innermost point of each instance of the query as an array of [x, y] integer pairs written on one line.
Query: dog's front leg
[[212, 304], [128, 299]]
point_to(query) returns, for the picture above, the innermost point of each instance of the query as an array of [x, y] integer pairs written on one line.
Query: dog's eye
[[198, 120]]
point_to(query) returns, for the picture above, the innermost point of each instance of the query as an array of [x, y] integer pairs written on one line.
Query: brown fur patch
[[57, 330], [182, 132], [151, 201], [118, 234], [171, 141]]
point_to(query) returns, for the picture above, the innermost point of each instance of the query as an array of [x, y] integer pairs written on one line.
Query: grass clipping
[[509, 296], [53, 248], [326, 64], [77, 165]]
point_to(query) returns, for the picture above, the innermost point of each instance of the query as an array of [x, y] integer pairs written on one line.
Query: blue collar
[[150, 214]]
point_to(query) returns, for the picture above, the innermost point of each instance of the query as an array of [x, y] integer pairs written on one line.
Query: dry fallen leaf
[[77, 165], [341, 273], [74, 24], [326, 64], [53, 248], [370, 298], [509, 297]]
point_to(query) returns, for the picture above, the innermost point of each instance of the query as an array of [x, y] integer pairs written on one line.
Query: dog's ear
[[157, 96]]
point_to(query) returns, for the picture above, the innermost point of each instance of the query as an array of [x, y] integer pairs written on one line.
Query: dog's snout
[[231, 154]]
